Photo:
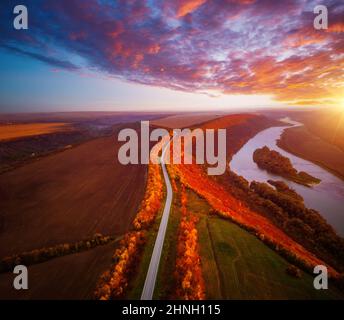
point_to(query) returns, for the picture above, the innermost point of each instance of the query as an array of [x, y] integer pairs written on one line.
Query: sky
[[180, 55]]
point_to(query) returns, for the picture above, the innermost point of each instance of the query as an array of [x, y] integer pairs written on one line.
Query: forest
[[188, 272], [286, 209], [272, 161]]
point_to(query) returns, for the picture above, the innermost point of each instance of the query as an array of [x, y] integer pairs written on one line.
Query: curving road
[[148, 289]]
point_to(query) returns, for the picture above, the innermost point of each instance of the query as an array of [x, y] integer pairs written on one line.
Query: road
[[148, 289]]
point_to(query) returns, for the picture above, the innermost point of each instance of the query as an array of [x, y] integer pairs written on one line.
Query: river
[[327, 197]]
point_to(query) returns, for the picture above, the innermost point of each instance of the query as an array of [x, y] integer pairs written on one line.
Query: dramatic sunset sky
[[178, 54]]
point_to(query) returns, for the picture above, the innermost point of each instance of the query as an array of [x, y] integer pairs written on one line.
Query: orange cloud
[[154, 49], [303, 39], [336, 27], [137, 60], [312, 102], [243, 1], [188, 6]]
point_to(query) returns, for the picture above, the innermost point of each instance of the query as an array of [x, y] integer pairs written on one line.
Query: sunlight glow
[[341, 104]]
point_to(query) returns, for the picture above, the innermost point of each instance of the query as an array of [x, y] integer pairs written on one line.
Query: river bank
[[327, 197], [313, 149]]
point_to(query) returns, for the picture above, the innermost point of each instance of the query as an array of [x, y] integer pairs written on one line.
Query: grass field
[[236, 265], [15, 131]]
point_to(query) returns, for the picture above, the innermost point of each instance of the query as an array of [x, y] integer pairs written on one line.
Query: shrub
[[44, 254], [112, 284], [294, 271], [188, 273]]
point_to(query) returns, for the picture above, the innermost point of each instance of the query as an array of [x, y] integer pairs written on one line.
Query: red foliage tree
[[190, 282], [113, 283], [152, 199]]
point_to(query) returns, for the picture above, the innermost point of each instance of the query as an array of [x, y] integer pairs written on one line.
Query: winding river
[[327, 197]]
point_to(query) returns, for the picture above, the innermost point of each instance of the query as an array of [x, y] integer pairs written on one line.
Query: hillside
[[301, 142]]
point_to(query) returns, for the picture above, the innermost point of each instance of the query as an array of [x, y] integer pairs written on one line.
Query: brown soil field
[[304, 144], [327, 124], [14, 131], [69, 277], [69, 196], [239, 129], [184, 120]]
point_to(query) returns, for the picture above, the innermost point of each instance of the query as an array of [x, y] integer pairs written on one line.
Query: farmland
[[184, 120], [236, 265], [67, 277], [15, 131], [63, 198], [68, 196], [327, 125], [320, 140], [216, 245], [154, 153], [314, 149], [72, 129]]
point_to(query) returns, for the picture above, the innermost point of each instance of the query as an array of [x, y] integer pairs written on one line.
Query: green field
[[236, 265]]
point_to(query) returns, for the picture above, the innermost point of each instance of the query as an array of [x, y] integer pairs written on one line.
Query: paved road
[[148, 289]]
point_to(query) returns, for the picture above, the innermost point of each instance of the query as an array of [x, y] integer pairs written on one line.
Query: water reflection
[[327, 197]]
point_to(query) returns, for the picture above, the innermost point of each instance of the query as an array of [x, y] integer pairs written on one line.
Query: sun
[[340, 103]]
